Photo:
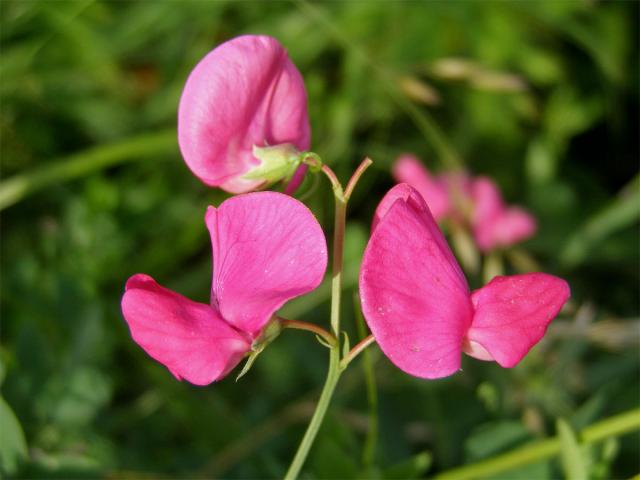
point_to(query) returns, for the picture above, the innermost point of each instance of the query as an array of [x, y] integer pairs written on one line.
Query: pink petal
[[188, 338], [487, 207], [408, 169], [495, 225], [512, 314], [245, 92], [296, 180], [414, 296], [458, 185], [513, 226], [401, 191], [267, 248]]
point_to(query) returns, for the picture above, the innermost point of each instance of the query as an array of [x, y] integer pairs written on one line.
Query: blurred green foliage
[[542, 96]]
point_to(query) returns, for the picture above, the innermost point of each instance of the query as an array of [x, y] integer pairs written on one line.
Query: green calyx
[[269, 334], [277, 162]]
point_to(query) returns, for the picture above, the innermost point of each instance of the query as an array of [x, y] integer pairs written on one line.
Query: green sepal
[[269, 334], [277, 162]]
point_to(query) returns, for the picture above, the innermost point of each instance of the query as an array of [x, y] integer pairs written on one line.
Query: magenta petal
[[495, 225], [267, 249], [296, 180], [188, 338], [512, 314], [245, 92], [408, 169], [513, 226], [401, 191], [414, 296]]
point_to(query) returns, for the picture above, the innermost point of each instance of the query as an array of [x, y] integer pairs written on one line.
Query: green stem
[[541, 450], [371, 439], [20, 186], [318, 416], [355, 351], [493, 266], [333, 375], [310, 327]]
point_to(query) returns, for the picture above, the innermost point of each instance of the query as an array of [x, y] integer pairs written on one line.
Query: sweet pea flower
[[267, 249], [409, 169], [494, 224], [475, 201], [417, 302], [244, 96]]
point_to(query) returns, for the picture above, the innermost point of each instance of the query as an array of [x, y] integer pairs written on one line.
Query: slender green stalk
[[335, 367], [20, 186], [333, 375], [541, 450], [369, 450], [355, 351], [310, 327], [318, 416], [366, 163], [493, 265]]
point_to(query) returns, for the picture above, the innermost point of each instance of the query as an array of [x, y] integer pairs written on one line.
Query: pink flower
[[267, 248], [473, 201], [417, 302], [244, 93], [494, 224], [408, 169]]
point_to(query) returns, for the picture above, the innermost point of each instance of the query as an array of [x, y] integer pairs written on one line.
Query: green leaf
[[571, 455], [493, 438], [413, 467], [618, 214], [13, 447]]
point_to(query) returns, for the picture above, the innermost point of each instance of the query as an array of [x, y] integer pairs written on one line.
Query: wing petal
[[188, 338], [512, 315]]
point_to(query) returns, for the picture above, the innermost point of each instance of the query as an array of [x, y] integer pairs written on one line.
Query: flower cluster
[[242, 126], [474, 202]]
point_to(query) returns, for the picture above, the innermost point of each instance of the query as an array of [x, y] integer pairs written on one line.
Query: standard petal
[[245, 92], [267, 248], [414, 296], [402, 191], [408, 169], [512, 314], [188, 338]]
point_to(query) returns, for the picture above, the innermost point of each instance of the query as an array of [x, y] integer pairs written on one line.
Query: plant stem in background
[[541, 450], [20, 186], [369, 450], [429, 129]]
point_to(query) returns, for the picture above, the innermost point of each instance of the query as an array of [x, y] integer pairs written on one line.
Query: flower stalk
[[336, 367]]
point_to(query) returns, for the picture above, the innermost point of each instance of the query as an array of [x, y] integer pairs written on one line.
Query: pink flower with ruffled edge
[[494, 224], [417, 302], [244, 93], [267, 249]]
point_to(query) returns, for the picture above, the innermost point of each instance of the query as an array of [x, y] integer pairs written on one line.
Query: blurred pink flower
[[417, 302], [244, 93], [267, 249], [408, 169], [465, 199], [494, 224]]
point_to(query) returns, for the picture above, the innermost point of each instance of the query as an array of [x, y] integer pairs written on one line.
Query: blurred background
[[542, 97]]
